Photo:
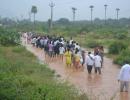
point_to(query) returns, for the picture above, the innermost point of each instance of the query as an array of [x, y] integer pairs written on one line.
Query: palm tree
[[34, 11], [91, 7], [74, 11], [105, 12], [117, 10]]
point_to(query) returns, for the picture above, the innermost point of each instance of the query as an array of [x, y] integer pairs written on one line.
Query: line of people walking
[[58, 48]]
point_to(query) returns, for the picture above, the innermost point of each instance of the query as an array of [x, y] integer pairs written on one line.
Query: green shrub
[[122, 57], [8, 38], [117, 47], [92, 44], [120, 36]]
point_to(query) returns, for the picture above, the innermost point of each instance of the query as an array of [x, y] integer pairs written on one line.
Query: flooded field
[[97, 87]]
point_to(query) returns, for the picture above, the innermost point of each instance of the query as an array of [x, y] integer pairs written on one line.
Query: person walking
[[96, 50], [124, 77], [101, 54], [50, 46], [77, 59], [83, 57], [61, 50], [68, 58], [89, 60], [97, 63]]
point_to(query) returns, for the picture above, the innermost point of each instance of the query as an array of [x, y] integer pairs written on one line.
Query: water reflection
[[94, 80]]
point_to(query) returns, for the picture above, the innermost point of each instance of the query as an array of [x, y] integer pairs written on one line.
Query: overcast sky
[[20, 8]]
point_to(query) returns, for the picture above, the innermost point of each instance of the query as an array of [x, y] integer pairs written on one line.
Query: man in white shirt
[[97, 63], [34, 41], [89, 60], [61, 50], [124, 77], [77, 46], [41, 43], [71, 40], [26, 37]]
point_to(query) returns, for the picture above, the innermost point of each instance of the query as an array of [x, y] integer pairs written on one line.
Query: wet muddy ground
[[97, 87]]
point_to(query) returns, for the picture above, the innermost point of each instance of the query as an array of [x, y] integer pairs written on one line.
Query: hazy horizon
[[19, 9]]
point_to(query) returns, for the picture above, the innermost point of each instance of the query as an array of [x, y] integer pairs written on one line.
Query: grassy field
[[23, 78]]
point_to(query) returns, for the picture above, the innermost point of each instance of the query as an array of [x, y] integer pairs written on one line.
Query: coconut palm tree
[[34, 11], [117, 11], [105, 12], [91, 7], [74, 11]]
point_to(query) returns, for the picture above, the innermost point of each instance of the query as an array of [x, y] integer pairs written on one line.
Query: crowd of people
[[56, 48]]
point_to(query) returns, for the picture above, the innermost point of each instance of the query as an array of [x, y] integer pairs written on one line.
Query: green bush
[[117, 47], [122, 57], [120, 36], [92, 44], [8, 38]]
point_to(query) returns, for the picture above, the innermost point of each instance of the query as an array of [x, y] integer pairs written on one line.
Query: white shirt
[[41, 41], [62, 50], [34, 40], [55, 43], [124, 74], [97, 61], [45, 42], [25, 35], [62, 39], [89, 61], [62, 42], [77, 46], [70, 42]]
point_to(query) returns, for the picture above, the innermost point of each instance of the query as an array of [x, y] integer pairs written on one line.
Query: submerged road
[[97, 87]]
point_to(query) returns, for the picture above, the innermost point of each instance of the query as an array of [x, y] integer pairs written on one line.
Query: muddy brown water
[[97, 87]]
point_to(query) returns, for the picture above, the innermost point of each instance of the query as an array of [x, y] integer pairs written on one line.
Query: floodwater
[[97, 87]]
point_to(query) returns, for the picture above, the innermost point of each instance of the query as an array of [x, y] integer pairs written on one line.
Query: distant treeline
[[64, 24], [64, 21]]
